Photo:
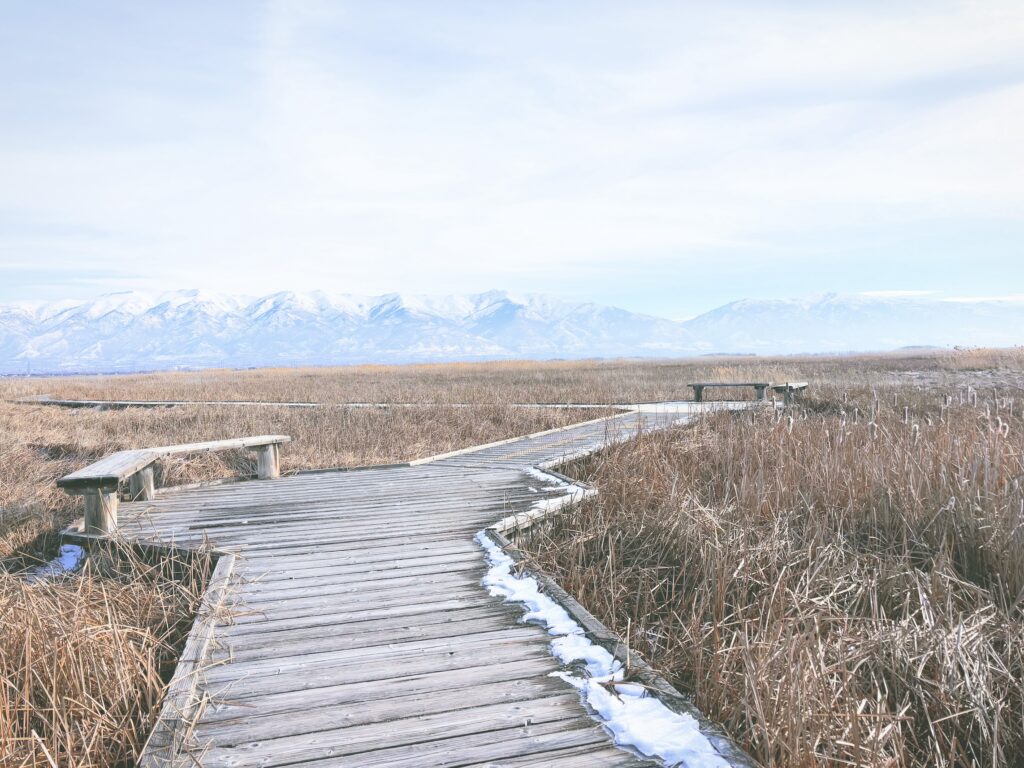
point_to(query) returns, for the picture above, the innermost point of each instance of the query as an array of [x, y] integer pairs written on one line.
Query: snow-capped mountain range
[[193, 329]]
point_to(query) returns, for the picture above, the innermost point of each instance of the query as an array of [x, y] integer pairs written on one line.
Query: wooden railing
[[100, 482]]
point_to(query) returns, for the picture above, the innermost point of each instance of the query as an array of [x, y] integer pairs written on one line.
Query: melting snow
[[543, 476], [69, 558], [634, 718]]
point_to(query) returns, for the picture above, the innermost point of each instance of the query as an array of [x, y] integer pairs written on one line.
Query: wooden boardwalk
[[362, 635]]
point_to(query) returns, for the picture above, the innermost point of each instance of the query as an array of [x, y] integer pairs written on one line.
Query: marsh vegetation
[[845, 588], [839, 584]]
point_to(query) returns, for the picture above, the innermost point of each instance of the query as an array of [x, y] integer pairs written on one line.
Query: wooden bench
[[760, 387], [99, 483], [787, 390]]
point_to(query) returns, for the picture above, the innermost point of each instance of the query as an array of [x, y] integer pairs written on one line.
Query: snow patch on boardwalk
[[634, 718]]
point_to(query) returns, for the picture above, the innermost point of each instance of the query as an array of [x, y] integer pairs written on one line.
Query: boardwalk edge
[[595, 630]]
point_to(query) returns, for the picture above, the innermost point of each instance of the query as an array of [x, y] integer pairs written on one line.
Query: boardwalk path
[[363, 636]]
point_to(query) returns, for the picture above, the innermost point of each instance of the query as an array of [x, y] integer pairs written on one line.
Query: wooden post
[[698, 394], [267, 462], [787, 396], [141, 486], [100, 512], [760, 390]]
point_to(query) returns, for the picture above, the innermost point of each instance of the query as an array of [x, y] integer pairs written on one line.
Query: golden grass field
[[845, 589]]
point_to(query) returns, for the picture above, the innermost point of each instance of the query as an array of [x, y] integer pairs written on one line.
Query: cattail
[[915, 434], [789, 425], [906, 414], [872, 430]]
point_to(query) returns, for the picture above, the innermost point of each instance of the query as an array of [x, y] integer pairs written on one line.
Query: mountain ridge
[[195, 329]]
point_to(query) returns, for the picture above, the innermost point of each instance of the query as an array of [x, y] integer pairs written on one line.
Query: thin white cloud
[[459, 146]]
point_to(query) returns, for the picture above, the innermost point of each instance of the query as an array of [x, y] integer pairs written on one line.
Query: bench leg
[[698, 394], [141, 485], [100, 512], [268, 462], [760, 393]]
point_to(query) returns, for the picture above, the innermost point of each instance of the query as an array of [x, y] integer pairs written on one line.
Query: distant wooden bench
[[788, 390], [98, 483], [759, 388]]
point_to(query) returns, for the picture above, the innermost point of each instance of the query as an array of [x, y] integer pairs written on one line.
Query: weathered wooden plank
[[233, 443], [528, 737], [343, 618], [347, 561], [283, 509], [586, 756], [424, 684], [108, 472], [386, 601], [333, 573], [118, 466], [336, 742], [471, 647], [258, 594], [259, 727], [237, 688], [390, 631]]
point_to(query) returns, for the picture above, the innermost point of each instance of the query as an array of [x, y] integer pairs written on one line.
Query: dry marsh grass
[[585, 381], [845, 588], [85, 660], [835, 593]]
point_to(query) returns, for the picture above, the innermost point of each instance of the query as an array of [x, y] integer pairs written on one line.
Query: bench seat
[[99, 482]]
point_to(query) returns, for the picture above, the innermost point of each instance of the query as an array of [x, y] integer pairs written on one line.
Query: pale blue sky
[[664, 157]]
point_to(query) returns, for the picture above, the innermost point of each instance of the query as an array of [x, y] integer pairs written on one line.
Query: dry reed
[[840, 588], [86, 659]]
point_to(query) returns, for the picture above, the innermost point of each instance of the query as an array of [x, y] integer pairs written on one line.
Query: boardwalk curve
[[361, 635]]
